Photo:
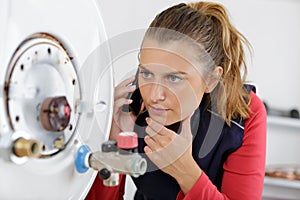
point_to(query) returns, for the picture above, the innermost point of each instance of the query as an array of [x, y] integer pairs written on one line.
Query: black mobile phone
[[135, 96]]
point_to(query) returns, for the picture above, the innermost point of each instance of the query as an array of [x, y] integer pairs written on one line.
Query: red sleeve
[[244, 169], [100, 192]]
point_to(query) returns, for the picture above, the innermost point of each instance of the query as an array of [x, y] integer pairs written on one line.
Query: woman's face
[[170, 84]]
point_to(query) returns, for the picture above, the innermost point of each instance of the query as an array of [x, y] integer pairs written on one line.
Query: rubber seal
[[80, 158]]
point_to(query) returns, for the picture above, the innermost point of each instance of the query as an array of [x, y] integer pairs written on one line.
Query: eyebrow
[[172, 73]]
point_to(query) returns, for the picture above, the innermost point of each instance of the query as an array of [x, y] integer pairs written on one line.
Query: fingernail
[[132, 86], [130, 101], [148, 120], [147, 149]]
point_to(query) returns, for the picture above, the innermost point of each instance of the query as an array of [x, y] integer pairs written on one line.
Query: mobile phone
[[134, 96]]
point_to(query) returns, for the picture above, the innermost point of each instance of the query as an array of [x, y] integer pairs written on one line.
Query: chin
[[170, 122], [164, 121]]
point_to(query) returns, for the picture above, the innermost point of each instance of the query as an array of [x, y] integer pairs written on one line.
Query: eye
[[146, 75], [174, 78]]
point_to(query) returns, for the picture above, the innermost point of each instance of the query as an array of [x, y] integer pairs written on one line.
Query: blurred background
[[273, 29]]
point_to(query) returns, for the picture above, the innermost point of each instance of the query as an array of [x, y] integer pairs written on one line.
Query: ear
[[214, 79]]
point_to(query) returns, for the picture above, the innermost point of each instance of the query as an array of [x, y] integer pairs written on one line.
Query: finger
[[150, 131], [155, 126], [158, 155], [186, 127], [123, 91], [152, 145], [120, 102], [126, 82], [152, 154], [147, 150], [119, 89], [142, 107]]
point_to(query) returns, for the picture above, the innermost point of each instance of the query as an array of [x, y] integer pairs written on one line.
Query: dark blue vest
[[213, 141]]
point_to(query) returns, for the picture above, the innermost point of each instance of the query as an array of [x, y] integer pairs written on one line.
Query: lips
[[158, 111]]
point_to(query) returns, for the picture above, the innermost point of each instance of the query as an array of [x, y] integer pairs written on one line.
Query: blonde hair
[[208, 24]]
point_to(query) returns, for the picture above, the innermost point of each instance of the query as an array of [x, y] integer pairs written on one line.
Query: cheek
[[189, 100], [143, 90]]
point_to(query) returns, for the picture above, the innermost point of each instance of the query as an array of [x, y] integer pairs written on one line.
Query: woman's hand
[[122, 121], [172, 152]]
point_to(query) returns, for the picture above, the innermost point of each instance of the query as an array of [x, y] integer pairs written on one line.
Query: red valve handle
[[127, 140]]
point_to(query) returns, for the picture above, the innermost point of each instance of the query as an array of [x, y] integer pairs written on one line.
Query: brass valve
[[29, 148]]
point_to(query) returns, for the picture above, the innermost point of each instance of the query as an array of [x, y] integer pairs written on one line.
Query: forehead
[[176, 55]]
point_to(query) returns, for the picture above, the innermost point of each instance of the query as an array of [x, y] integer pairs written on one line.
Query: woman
[[201, 128]]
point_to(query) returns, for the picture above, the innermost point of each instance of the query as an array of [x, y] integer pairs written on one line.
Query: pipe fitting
[[27, 148]]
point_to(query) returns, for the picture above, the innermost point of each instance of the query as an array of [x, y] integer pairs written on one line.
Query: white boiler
[[56, 95]]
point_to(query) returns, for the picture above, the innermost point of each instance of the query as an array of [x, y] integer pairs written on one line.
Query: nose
[[157, 92]]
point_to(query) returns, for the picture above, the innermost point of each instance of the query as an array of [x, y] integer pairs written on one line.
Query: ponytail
[[231, 57]]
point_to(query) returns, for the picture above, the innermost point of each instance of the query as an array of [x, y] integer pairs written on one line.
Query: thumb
[[186, 127]]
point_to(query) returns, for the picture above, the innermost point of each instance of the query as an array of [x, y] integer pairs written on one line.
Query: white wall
[[273, 29], [272, 26]]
